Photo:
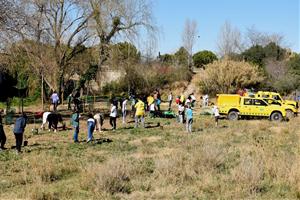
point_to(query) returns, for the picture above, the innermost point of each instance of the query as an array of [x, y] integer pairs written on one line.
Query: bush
[[203, 58], [226, 76]]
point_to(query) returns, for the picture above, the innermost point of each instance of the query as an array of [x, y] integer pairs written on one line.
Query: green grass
[[238, 160]]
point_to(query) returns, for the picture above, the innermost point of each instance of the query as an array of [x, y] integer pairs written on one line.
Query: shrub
[[226, 76]]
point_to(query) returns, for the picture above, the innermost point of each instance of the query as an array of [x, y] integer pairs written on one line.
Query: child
[[91, 127], [152, 110], [139, 114], [189, 119], [113, 116], [75, 123], [216, 113]]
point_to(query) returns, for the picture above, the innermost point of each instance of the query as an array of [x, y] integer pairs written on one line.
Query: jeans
[[180, 116], [189, 123], [91, 128], [170, 104], [19, 141], [139, 118], [76, 131], [2, 137], [113, 122]]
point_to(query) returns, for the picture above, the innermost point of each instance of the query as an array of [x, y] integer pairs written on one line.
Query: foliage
[[202, 58], [226, 76], [167, 59], [255, 54], [181, 57], [272, 50]]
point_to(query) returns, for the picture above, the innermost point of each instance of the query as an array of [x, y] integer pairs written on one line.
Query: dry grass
[[239, 160]]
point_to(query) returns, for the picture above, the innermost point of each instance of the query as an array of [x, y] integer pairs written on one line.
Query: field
[[246, 159]]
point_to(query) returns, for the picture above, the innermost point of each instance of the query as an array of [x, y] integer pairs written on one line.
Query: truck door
[[246, 108], [259, 107]]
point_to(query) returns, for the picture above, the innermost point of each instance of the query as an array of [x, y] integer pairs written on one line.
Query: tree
[[181, 57], [112, 19], [255, 54], [226, 76], [255, 37], [189, 37], [230, 41], [202, 58]]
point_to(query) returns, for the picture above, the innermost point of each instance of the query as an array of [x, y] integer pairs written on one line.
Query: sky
[[271, 16]]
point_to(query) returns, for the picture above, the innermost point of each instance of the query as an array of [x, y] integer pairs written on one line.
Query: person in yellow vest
[[139, 113]]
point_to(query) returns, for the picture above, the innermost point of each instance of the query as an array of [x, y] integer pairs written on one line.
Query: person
[[205, 100], [124, 110], [181, 112], [19, 129], [182, 99], [99, 119], [152, 110], [44, 122], [53, 119], [193, 100], [139, 114], [69, 101], [189, 119], [75, 123], [55, 100], [2, 134], [133, 102], [113, 116], [76, 99], [216, 113], [90, 127], [170, 99]]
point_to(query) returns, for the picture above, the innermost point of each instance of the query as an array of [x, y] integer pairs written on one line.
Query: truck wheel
[[233, 115], [290, 114], [276, 116]]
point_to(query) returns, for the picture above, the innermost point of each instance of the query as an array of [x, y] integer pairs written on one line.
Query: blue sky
[[272, 16]]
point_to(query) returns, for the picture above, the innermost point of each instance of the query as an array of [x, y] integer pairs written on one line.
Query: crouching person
[[19, 129], [91, 127]]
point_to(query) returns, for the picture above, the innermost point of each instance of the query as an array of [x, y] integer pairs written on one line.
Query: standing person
[[152, 110], [54, 100], [99, 118], [19, 129], [205, 98], [2, 134], [133, 102], [69, 99], [189, 119], [124, 110], [90, 127], [139, 114], [113, 116], [75, 123], [170, 99], [181, 112], [216, 113]]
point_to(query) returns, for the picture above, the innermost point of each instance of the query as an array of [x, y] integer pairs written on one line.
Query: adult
[[44, 122], [216, 113], [124, 110], [140, 113], [54, 100], [193, 100], [76, 99], [69, 99], [170, 99], [2, 134], [75, 123], [189, 119], [53, 119], [181, 112], [90, 127], [113, 116], [205, 100], [19, 129]]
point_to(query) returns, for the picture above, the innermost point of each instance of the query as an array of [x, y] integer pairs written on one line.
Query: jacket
[[140, 108], [20, 125]]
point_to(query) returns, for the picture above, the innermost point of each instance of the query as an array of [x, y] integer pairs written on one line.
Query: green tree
[[255, 54], [167, 59], [181, 57], [272, 50], [202, 58]]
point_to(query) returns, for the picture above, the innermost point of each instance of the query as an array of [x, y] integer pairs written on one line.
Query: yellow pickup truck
[[236, 106]]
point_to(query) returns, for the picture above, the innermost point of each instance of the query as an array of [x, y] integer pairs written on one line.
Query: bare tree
[[112, 19], [255, 37], [189, 36], [230, 40]]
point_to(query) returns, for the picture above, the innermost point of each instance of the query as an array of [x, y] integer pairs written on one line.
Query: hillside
[[247, 159]]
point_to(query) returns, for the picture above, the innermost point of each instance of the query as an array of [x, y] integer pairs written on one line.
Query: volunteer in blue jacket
[[19, 129]]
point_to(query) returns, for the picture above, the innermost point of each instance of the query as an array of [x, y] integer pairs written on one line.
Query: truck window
[[247, 102], [277, 97], [259, 102]]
